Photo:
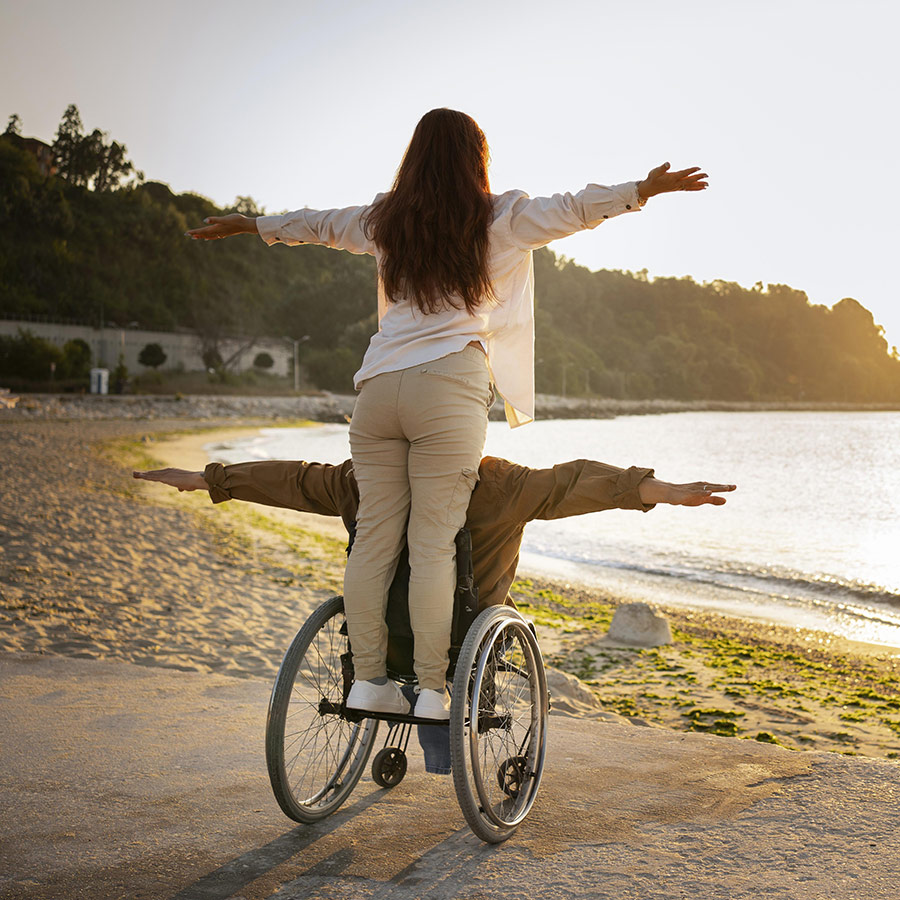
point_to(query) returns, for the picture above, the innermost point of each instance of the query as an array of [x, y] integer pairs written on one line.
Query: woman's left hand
[[217, 227]]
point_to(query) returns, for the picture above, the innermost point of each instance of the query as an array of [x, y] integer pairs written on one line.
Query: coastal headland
[[139, 633]]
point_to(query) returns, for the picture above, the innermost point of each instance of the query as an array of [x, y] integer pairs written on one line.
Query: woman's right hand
[[217, 227]]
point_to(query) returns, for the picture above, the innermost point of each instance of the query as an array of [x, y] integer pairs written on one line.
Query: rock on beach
[[639, 625]]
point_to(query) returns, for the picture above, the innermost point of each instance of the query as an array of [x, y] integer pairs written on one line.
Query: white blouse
[[505, 328]]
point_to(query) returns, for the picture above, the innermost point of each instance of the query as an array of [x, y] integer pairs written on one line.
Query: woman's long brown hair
[[432, 228]]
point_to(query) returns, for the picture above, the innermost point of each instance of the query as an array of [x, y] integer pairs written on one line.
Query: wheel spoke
[[315, 758]]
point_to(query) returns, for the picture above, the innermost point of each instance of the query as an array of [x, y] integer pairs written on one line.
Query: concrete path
[[120, 781]]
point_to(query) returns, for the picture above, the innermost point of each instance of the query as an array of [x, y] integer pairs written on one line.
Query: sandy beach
[[97, 565]]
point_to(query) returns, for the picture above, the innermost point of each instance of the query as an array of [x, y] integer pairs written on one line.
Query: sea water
[[810, 538]]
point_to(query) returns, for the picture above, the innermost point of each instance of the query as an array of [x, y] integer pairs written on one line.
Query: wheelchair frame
[[316, 749]]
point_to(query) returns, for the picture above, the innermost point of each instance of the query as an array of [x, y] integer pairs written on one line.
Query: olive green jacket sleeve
[[311, 487], [519, 494]]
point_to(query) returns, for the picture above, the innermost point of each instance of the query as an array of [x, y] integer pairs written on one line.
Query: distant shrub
[[29, 357], [118, 379], [76, 359], [152, 355]]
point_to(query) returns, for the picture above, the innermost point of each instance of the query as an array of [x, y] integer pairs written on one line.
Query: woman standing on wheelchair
[[455, 309]]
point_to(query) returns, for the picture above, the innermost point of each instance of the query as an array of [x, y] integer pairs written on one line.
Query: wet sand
[[96, 565]]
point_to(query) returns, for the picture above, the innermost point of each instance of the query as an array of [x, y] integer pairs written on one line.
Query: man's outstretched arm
[[519, 494], [311, 487], [508, 491]]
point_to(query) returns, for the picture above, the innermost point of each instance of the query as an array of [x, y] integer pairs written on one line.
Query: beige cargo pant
[[416, 438]]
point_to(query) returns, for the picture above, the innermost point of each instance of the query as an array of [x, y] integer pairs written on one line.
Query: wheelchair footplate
[[357, 715]]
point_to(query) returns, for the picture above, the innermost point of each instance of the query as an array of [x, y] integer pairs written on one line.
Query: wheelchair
[[317, 749]]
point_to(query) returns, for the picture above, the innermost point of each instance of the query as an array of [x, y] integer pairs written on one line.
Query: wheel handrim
[[516, 727]]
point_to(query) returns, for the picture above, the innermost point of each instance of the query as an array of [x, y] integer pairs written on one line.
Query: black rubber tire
[[501, 662], [388, 767], [314, 766]]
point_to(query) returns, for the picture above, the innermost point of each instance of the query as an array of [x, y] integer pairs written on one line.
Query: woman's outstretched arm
[[216, 227], [340, 229], [536, 221]]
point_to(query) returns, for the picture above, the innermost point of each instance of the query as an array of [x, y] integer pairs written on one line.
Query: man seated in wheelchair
[[506, 498]]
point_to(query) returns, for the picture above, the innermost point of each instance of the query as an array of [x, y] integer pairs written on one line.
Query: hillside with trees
[[93, 242]]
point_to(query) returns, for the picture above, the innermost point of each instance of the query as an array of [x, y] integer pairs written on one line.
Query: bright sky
[[789, 105]]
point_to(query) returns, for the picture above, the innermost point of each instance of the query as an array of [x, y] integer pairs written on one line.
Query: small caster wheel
[[511, 775], [389, 767]]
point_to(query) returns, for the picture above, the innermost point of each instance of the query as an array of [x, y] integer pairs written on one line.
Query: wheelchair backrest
[[465, 609]]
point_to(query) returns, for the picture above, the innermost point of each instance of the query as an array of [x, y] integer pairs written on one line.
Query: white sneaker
[[432, 705], [381, 698]]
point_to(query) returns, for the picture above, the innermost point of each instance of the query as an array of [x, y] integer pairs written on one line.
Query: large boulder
[[639, 625], [571, 697]]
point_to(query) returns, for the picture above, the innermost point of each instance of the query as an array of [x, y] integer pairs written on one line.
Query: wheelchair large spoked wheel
[[315, 756], [498, 723]]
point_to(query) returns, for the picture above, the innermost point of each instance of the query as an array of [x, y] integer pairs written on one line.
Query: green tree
[[152, 355], [263, 361], [110, 167], [332, 370], [68, 147], [14, 126], [92, 160], [611, 333]]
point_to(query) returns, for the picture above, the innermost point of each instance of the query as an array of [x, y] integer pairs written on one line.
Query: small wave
[[831, 589]]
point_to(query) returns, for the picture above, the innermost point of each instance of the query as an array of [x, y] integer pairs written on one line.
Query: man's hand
[[223, 226], [661, 181], [178, 478], [696, 493]]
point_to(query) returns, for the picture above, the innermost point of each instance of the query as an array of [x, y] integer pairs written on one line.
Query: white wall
[[182, 350]]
